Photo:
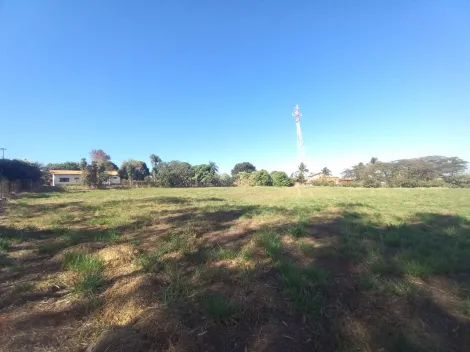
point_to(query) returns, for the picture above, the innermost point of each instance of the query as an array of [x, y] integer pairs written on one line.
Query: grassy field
[[236, 269]]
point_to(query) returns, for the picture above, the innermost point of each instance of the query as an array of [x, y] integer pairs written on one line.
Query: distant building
[[74, 177]]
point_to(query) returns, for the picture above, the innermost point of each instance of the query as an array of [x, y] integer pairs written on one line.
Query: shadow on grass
[[364, 285], [370, 287]]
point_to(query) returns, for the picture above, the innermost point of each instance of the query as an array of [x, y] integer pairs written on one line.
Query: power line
[[3, 152]]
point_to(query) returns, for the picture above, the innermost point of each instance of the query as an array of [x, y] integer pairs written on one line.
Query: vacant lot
[[236, 269]]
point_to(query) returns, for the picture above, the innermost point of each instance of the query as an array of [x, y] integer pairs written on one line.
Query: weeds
[[5, 243], [219, 253], [367, 282], [300, 229], [82, 262], [303, 286], [308, 249], [90, 270], [111, 236], [51, 248], [465, 306], [271, 242], [220, 308], [177, 286], [149, 262]]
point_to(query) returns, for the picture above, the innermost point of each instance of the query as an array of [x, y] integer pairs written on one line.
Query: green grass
[[82, 262], [111, 236], [271, 243], [300, 229], [304, 286], [90, 270], [5, 244], [308, 249], [221, 308], [465, 306], [51, 248], [325, 262], [149, 262]]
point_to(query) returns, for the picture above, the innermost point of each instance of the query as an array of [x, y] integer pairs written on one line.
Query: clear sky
[[216, 80]]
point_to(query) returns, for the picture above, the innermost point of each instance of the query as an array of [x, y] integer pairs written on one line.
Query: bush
[[371, 183], [459, 181], [243, 179], [225, 180], [12, 170], [280, 179], [261, 178], [321, 182], [353, 184]]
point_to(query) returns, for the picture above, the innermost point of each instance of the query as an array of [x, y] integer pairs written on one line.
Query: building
[[74, 177]]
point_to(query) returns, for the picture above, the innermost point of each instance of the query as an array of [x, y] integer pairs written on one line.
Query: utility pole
[[3, 152]]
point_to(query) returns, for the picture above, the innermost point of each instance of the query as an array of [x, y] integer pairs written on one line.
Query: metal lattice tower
[[300, 141]]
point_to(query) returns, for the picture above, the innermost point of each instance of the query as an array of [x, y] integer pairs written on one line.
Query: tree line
[[430, 171]]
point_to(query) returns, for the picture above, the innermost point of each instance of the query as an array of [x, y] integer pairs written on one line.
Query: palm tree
[[326, 172], [213, 166], [154, 160], [302, 169], [373, 160]]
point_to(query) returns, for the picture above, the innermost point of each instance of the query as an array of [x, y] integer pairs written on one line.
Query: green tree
[[154, 160], [68, 165], [140, 170], [261, 178], [243, 167], [130, 171], [225, 180], [302, 170], [280, 179], [204, 175], [213, 166], [19, 170], [373, 160], [326, 172], [90, 176], [174, 174], [83, 164]]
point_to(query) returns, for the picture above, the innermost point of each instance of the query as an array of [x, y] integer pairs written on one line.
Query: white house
[[74, 177]]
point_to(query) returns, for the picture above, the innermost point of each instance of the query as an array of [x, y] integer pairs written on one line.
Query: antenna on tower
[[300, 141]]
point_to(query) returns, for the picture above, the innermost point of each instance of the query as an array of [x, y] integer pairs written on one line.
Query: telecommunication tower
[[300, 141]]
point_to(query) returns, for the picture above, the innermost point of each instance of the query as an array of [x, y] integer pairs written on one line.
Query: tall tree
[[83, 164], [373, 160], [302, 170], [204, 175], [68, 165], [140, 170], [326, 172], [243, 167], [154, 160], [213, 166], [99, 156], [174, 174], [130, 171]]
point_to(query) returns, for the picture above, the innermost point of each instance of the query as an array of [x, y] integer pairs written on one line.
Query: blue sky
[[216, 80]]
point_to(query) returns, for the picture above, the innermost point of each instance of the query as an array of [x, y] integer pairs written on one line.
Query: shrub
[[280, 179], [261, 178], [371, 183], [353, 184], [243, 179], [459, 181], [323, 182]]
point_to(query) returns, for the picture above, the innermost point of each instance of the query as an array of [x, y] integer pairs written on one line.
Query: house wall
[[77, 180], [114, 180], [73, 180]]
